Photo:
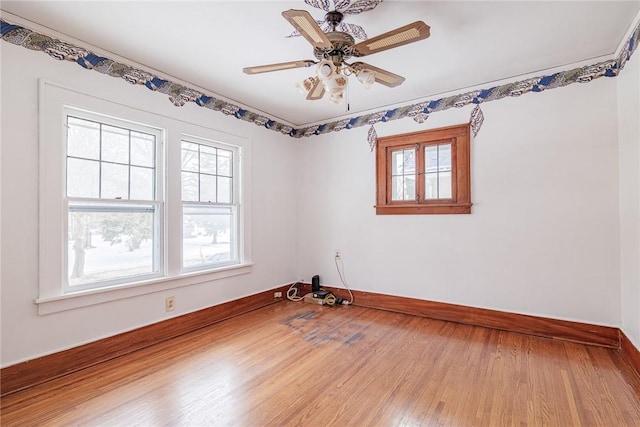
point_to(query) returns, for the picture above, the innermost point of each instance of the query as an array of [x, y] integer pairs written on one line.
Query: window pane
[[431, 186], [403, 187], [115, 181], [410, 187], [115, 144], [207, 188], [206, 149], [208, 236], [143, 149], [409, 162], [444, 157], [109, 245], [83, 177], [207, 162], [224, 190], [431, 158], [224, 162], [396, 162], [189, 186], [397, 188], [444, 185], [83, 138], [141, 183], [189, 157]]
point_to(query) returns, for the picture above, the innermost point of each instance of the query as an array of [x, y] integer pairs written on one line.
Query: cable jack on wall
[[337, 258]]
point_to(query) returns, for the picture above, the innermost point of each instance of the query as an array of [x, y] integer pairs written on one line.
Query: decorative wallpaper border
[[179, 94], [420, 111]]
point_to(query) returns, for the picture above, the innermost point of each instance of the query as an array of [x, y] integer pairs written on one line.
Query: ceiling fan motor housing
[[342, 48]]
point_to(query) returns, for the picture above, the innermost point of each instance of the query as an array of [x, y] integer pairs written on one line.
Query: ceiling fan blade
[[307, 26], [296, 33], [277, 67], [383, 77], [400, 36], [316, 91]]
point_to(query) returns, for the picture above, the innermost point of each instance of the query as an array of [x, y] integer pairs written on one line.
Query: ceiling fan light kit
[[333, 48]]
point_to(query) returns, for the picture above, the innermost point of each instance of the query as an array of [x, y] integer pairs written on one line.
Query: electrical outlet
[[338, 253], [169, 303], [277, 294]]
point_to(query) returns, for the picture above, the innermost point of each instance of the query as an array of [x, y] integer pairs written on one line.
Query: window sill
[[70, 301], [416, 209]]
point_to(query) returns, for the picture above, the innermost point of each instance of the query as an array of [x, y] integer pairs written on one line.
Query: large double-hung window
[[133, 202]]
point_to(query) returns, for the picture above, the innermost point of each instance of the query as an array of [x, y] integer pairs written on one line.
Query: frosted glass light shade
[[325, 70], [305, 86], [367, 78]]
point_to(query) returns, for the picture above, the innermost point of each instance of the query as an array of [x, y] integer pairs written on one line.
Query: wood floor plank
[[302, 364]]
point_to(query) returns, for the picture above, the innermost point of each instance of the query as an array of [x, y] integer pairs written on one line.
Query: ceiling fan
[[333, 48]]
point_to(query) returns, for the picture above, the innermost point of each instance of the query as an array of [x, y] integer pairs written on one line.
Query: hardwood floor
[[301, 364]]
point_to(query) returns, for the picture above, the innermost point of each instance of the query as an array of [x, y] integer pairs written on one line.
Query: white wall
[[542, 238], [25, 334], [550, 234], [629, 156]]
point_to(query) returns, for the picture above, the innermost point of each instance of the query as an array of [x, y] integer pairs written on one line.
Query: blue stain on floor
[[314, 330]]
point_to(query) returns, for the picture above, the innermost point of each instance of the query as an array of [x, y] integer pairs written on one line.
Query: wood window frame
[[459, 136]]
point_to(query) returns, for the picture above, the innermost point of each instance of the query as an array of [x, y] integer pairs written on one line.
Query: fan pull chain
[[348, 95]]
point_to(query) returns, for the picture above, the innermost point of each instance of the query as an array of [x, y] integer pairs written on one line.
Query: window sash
[[402, 174], [94, 209], [102, 161], [202, 225], [417, 175], [426, 174], [197, 168]]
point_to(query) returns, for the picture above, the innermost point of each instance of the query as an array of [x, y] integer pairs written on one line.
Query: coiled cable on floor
[[330, 300], [293, 293]]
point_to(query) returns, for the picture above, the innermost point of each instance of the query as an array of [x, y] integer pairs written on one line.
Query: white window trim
[[53, 99], [89, 297]]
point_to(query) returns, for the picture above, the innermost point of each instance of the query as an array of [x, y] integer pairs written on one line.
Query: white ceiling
[[207, 43]]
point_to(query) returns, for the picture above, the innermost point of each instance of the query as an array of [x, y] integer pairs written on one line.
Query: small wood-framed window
[[425, 172]]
